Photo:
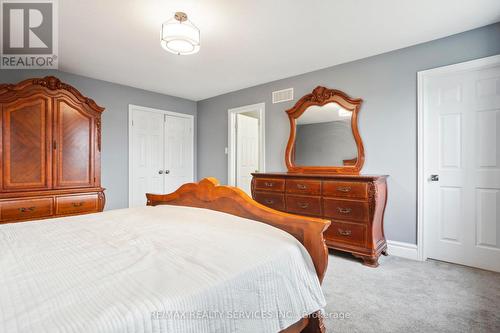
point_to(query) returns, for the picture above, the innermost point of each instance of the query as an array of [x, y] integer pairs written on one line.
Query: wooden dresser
[[51, 151], [354, 203]]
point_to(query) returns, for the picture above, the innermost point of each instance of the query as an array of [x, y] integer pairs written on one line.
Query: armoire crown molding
[[51, 83]]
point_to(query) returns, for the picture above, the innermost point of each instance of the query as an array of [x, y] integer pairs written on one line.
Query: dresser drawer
[[338, 209], [349, 233], [303, 205], [272, 200], [87, 203], [268, 184], [312, 187], [345, 189], [21, 209]]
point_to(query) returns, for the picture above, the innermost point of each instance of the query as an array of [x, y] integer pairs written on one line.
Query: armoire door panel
[[26, 136], [73, 145]]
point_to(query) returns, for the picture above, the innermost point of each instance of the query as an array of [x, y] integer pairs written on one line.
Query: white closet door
[[178, 152], [146, 160], [247, 150], [462, 166]]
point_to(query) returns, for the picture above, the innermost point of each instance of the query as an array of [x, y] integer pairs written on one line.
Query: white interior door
[[146, 156], [178, 152], [161, 152], [461, 124], [247, 150]]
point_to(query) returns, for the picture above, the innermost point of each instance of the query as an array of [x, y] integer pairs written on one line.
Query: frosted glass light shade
[[180, 37]]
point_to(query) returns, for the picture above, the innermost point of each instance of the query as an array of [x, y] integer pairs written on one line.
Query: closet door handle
[[167, 172], [160, 172]]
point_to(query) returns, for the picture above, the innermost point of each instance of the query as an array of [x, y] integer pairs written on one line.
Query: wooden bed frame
[[309, 231]]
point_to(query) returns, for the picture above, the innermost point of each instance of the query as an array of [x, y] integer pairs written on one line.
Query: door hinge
[[54, 145], [132, 122]]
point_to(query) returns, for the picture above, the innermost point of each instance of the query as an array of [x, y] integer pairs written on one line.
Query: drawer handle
[[269, 184], [77, 204], [269, 201], [301, 186], [344, 188], [344, 232], [303, 204], [27, 209], [344, 210]]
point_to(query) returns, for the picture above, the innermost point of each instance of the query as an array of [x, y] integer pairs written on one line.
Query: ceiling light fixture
[[179, 35]]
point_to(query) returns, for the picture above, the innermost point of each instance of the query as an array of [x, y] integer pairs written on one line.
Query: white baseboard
[[403, 250]]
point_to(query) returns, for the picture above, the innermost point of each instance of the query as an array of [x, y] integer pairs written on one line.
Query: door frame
[[131, 108], [231, 139], [421, 76]]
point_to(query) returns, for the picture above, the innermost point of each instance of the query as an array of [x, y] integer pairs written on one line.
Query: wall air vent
[[282, 95]]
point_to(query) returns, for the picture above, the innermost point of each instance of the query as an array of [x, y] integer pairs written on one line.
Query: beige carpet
[[410, 296]]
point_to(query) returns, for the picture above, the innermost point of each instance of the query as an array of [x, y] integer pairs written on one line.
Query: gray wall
[[388, 118], [327, 143], [115, 98]]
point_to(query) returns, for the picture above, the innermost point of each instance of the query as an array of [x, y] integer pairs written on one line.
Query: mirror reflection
[[324, 137]]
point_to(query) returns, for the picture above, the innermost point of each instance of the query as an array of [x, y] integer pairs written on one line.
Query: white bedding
[[153, 269]]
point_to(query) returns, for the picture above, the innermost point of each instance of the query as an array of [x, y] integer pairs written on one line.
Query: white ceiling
[[245, 43]]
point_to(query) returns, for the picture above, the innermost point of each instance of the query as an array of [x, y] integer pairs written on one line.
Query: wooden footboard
[[309, 231]]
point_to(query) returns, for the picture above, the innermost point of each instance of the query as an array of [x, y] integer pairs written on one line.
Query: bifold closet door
[[178, 152], [146, 160], [161, 153]]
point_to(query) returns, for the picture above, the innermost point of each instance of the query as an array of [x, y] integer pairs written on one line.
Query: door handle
[[160, 172], [434, 178], [167, 172]]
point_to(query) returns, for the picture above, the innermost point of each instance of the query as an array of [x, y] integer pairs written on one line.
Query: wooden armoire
[[50, 151]]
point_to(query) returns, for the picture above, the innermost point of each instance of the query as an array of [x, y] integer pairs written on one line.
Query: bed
[[191, 261]]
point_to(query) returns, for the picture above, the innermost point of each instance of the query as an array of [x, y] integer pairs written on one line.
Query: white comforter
[[153, 269]]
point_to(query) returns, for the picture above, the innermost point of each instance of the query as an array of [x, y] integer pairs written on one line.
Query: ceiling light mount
[[181, 16], [179, 35]]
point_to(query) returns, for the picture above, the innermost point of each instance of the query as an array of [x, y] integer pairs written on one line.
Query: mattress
[[153, 269]]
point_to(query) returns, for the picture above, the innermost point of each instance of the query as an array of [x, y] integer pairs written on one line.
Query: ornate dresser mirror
[[324, 156], [324, 136]]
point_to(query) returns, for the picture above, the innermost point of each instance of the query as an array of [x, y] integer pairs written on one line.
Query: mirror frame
[[321, 96]]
